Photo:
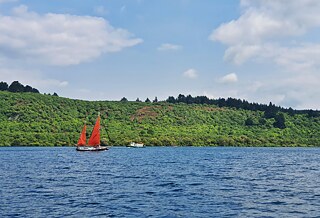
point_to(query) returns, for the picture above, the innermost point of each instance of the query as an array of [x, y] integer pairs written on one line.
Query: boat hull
[[87, 148], [136, 145]]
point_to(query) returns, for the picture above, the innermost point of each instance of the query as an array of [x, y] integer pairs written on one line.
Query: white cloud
[[169, 47], [265, 29], [300, 92], [59, 39], [263, 20], [305, 57], [296, 90], [190, 73], [229, 78], [284, 36]]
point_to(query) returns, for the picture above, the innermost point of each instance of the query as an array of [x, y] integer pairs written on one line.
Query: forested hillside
[[45, 120]]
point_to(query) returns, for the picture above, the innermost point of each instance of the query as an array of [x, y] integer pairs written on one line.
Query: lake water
[[160, 182]]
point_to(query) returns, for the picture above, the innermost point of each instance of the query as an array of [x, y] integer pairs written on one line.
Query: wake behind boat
[[94, 141]]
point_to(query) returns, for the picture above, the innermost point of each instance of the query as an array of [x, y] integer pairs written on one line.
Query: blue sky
[[257, 50]]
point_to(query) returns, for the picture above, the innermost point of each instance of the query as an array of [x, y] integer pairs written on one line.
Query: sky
[[261, 51]]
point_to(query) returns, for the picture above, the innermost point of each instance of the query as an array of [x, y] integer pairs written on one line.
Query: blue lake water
[[160, 182]]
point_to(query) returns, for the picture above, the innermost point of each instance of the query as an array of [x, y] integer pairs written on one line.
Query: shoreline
[[169, 146]]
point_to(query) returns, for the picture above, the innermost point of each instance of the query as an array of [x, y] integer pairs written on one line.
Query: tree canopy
[[47, 120], [16, 86]]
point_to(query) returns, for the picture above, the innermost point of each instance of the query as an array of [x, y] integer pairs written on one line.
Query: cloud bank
[[271, 30], [59, 39], [282, 34]]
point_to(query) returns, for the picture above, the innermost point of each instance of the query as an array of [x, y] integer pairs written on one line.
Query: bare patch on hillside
[[149, 112]]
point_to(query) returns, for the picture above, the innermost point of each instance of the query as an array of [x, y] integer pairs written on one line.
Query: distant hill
[[44, 120]]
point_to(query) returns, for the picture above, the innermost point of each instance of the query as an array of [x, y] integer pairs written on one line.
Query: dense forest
[[271, 109], [30, 118]]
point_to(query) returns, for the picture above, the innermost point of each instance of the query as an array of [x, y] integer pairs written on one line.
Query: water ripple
[[160, 182]]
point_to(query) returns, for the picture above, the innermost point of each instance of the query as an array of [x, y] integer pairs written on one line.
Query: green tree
[[280, 121], [271, 111], [124, 99], [155, 100], [16, 87], [171, 99], [249, 122], [42, 120], [35, 90], [3, 86], [27, 88]]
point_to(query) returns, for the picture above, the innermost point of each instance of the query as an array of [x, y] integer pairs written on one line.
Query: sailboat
[[94, 141]]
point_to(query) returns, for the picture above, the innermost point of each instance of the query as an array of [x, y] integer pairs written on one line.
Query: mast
[[95, 136]]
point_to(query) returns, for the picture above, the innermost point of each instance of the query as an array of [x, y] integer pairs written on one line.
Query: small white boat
[[136, 145]]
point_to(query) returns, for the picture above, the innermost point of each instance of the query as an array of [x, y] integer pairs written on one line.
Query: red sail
[[82, 139], [95, 136]]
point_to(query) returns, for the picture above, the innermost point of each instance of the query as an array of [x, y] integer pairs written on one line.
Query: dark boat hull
[[87, 148]]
